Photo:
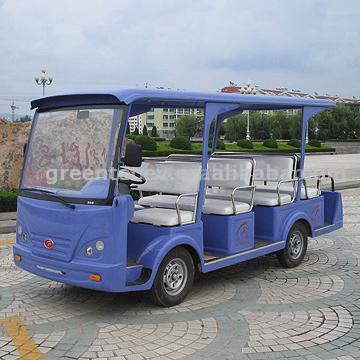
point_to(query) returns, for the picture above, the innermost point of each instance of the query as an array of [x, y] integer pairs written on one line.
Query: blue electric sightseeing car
[[78, 222]]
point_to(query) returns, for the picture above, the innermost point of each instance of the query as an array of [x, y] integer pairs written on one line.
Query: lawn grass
[[164, 149]]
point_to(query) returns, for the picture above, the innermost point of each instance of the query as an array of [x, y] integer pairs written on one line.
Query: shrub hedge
[[270, 143], [146, 142], [159, 139], [315, 143], [181, 143], [295, 143], [246, 144], [8, 200], [219, 145]]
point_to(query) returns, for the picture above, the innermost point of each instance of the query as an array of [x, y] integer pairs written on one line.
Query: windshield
[[71, 151]]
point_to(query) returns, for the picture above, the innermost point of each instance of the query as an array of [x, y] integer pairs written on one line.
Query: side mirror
[[133, 155]]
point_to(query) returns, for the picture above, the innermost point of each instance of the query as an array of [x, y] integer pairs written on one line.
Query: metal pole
[[248, 126]]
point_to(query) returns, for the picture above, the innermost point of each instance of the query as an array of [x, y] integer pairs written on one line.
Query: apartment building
[[165, 119], [136, 122]]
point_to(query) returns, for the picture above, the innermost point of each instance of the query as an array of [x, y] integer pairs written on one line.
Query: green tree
[[186, 126], [128, 129], [154, 132], [259, 125], [136, 131], [235, 128], [145, 132]]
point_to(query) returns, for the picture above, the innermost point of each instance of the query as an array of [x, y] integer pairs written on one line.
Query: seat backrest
[[230, 173], [173, 177], [275, 167]]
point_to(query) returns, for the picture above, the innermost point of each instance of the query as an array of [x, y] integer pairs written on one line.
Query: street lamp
[[248, 89], [42, 80]]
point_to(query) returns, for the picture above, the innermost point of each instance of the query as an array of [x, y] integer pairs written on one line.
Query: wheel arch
[[154, 254], [291, 220]]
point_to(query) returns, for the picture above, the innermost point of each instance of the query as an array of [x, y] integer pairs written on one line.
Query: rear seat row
[[230, 187]]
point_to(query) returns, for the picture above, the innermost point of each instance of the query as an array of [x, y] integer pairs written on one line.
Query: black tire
[[296, 245], [174, 278]]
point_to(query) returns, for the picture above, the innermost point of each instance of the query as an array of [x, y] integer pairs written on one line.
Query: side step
[[261, 248], [212, 257], [327, 228]]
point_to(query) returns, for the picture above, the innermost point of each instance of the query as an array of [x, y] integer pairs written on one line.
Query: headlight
[[20, 230], [100, 245], [24, 236], [89, 251]]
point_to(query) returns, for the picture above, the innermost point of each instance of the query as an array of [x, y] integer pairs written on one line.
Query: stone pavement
[[7, 222], [255, 310]]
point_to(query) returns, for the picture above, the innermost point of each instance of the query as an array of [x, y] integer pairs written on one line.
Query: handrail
[[251, 187], [196, 194], [318, 183], [284, 182], [279, 183]]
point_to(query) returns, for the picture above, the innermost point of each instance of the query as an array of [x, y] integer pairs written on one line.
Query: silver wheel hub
[[175, 276], [296, 244]]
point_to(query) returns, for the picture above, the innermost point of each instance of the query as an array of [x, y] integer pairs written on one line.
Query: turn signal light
[[95, 277], [17, 257]]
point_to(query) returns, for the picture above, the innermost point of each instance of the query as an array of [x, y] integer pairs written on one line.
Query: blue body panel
[[273, 223], [228, 234]]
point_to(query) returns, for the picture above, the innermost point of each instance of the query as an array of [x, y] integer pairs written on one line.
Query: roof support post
[[212, 110], [307, 113], [215, 134]]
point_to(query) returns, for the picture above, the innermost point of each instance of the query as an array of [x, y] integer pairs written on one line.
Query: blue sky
[[312, 45]]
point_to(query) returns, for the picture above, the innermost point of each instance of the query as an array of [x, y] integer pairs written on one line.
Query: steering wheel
[[128, 177]]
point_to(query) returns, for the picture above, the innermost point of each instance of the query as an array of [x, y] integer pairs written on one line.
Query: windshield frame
[[114, 139]]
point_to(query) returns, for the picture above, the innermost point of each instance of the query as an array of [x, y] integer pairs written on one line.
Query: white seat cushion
[[211, 206], [224, 207], [165, 201], [286, 189], [261, 198], [161, 217]]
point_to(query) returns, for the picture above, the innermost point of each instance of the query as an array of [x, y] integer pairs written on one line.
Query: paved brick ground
[[255, 310]]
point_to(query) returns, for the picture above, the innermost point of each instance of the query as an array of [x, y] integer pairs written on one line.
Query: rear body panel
[[273, 223]]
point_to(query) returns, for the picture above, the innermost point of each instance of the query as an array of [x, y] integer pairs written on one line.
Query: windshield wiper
[[51, 195]]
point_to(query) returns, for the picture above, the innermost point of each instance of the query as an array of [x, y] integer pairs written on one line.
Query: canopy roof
[[144, 99]]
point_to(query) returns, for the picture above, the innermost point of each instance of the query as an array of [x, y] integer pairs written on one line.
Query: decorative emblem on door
[[49, 244], [242, 233]]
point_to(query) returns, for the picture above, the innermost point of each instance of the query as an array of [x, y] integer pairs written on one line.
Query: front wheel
[[174, 278], [296, 245]]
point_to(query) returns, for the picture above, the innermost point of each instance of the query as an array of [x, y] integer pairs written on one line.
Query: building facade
[[166, 119], [136, 122]]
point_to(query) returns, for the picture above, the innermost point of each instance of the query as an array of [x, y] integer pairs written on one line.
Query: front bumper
[[75, 272]]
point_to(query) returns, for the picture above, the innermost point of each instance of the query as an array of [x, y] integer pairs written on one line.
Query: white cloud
[[310, 44]]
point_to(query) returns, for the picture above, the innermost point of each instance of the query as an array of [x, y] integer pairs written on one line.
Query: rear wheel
[[296, 245], [174, 278]]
